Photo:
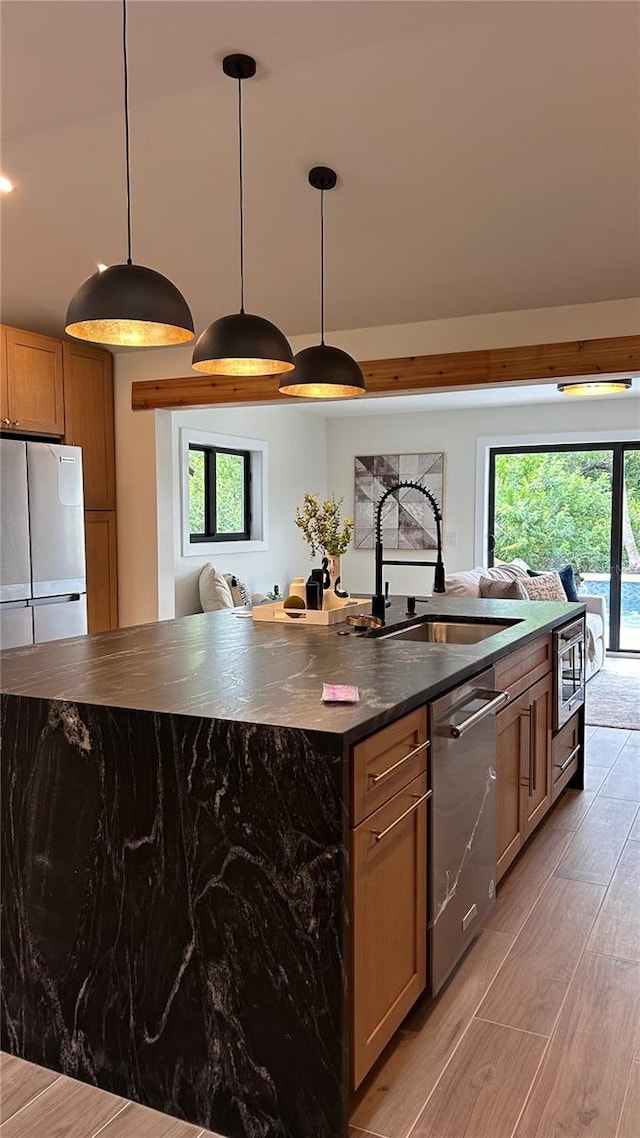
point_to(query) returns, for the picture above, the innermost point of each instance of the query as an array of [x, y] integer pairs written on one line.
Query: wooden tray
[[274, 611]]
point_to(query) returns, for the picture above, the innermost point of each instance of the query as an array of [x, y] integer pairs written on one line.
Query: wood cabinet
[[389, 920], [89, 422], [102, 570], [388, 861], [512, 735], [31, 384], [385, 762], [565, 755], [523, 764]]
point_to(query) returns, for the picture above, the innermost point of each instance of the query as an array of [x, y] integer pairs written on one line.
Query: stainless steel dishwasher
[[463, 819]]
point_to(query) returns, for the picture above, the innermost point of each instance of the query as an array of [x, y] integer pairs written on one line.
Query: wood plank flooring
[[37, 1103], [537, 1032]]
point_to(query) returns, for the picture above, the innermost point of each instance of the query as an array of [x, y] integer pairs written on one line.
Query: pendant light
[[242, 344], [594, 386], [323, 372], [129, 305]]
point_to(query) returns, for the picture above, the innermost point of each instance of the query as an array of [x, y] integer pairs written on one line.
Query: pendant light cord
[[241, 195], [322, 267], [126, 125]]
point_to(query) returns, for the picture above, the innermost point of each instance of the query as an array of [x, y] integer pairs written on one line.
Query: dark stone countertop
[[225, 666]]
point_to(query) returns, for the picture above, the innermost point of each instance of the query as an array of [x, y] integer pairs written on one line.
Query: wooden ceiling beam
[[410, 375]]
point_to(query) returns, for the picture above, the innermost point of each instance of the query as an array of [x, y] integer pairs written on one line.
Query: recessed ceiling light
[[6, 185], [100, 267]]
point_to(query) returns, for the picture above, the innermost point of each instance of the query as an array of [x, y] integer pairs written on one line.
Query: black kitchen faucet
[[378, 601]]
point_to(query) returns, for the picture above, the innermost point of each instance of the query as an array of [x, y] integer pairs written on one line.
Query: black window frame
[[618, 450], [210, 492]]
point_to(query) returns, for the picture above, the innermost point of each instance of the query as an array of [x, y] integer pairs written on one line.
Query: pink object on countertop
[[340, 693]]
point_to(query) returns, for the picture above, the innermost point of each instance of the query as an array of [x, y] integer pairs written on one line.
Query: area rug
[[613, 695]]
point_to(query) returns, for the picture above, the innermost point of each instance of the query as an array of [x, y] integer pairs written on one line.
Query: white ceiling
[[488, 154]]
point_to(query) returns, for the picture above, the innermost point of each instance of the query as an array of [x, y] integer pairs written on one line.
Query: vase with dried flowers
[[325, 531]]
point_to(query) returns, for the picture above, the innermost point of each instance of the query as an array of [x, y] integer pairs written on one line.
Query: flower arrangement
[[322, 526]]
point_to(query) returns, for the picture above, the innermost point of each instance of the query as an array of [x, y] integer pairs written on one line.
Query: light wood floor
[[536, 1035], [37, 1103]]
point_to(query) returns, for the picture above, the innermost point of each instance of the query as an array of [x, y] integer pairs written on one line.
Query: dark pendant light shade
[[242, 344], [323, 372], [129, 305]]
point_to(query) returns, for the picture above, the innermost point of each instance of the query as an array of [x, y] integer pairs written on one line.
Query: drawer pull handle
[[380, 834], [567, 762], [375, 778]]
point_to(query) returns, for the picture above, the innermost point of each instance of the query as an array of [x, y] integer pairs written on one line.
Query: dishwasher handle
[[496, 699]]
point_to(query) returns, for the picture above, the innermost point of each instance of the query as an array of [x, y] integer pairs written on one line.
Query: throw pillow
[[545, 587], [502, 590], [517, 567], [214, 590], [240, 591], [466, 584], [568, 578]]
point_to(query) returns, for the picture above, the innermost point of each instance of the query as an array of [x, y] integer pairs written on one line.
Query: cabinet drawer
[[523, 668], [385, 762], [565, 752], [389, 921]]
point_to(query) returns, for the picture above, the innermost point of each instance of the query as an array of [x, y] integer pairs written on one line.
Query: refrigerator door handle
[[64, 598]]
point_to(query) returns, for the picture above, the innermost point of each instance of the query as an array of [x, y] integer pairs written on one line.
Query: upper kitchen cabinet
[[31, 387], [88, 398]]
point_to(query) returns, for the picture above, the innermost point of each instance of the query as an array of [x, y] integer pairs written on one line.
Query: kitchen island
[[176, 830]]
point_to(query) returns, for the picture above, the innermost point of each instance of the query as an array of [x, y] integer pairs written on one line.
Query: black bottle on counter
[[314, 589]]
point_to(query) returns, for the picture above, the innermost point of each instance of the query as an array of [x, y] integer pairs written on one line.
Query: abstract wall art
[[407, 519]]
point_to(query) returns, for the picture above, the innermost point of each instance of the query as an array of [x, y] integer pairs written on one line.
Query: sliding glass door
[[626, 487], [574, 505]]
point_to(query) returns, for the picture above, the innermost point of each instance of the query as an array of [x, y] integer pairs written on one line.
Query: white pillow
[[214, 590], [467, 584], [545, 587], [515, 568]]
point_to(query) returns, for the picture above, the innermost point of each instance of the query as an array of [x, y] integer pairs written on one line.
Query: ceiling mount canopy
[[242, 344], [323, 372], [595, 387], [129, 305]]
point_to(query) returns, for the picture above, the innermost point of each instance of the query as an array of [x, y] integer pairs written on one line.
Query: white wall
[[457, 433], [458, 334], [137, 514], [297, 461]]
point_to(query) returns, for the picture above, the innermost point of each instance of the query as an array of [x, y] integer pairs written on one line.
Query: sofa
[[468, 583]]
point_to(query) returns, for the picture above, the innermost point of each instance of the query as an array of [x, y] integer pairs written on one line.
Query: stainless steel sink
[[430, 631]]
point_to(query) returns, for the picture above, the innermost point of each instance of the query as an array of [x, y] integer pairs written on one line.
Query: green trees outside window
[[554, 508], [219, 494]]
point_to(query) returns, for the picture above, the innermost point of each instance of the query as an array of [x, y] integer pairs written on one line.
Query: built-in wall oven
[[569, 671]]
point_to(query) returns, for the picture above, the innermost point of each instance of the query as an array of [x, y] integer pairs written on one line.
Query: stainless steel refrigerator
[[42, 561]]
